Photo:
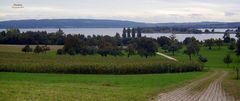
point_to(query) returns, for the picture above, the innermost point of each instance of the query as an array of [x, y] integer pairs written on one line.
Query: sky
[[151, 11]]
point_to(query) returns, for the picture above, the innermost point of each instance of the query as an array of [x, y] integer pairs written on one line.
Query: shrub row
[[163, 67]]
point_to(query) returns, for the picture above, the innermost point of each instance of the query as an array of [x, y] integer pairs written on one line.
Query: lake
[[113, 31]]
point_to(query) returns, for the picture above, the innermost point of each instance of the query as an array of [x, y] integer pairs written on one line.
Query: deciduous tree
[[209, 43], [38, 49], [192, 49], [146, 47], [219, 42]]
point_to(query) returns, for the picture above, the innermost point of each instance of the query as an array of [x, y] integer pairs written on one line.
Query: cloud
[[136, 10], [229, 14]]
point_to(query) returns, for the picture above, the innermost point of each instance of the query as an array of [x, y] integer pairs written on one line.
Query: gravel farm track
[[214, 91]]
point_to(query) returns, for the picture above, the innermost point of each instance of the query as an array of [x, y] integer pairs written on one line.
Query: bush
[[26, 49], [232, 46], [38, 49], [71, 51], [227, 59], [60, 52], [202, 59]]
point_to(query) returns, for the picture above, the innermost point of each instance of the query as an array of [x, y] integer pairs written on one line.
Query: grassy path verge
[[231, 85]]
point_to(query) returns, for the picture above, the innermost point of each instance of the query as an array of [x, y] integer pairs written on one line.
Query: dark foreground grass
[[70, 87], [13, 60]]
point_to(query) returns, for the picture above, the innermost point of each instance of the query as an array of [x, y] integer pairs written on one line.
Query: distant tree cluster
[[14, 36], [131, 41], [219, 42], [38, 49], [170, 30], [106, 45], [170, 44]]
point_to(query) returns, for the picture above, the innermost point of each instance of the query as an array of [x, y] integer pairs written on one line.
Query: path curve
[[214, 92]]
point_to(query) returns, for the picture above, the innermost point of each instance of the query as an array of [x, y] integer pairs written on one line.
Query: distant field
[[13, 54], [68, 87], [13, 60], [215, 57], [18, 48]]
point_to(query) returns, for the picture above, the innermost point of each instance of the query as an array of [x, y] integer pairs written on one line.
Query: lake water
[[113, 31]]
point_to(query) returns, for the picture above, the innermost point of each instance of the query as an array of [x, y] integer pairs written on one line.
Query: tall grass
[[99, 68], [13, 60]]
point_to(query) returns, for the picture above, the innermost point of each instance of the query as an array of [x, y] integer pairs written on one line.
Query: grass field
[[62, 87], [13, 54], [13, 60], [215, 57]]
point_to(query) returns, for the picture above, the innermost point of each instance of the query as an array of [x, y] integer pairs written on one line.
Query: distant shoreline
[[106, 23], [110, 30], [190, 33]]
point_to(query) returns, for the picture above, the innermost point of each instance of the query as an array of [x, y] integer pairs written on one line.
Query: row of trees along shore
[[130, 41], [125, 43]]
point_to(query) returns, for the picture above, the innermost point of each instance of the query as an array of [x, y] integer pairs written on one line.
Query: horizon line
[[120, 20]]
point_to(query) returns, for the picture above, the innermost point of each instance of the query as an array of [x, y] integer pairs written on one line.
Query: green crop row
[[97, 68]]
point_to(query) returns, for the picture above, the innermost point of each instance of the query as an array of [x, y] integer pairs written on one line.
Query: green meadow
[[215, 57], [93, 87], [77, 87]]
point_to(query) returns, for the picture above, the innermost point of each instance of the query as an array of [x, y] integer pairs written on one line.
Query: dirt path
[[166, 56], [213, 92]]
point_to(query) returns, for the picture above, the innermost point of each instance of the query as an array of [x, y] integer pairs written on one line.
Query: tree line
[[181, 30], [130, 42], [14, 36], [106, 45]]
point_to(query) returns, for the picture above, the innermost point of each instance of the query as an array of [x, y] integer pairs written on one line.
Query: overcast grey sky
[[134, 10]]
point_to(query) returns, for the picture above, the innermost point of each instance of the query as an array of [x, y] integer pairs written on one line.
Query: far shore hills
[[100, 23]]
